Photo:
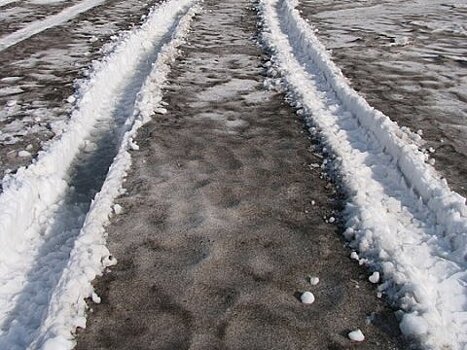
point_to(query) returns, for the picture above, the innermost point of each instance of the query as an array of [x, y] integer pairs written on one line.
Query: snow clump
[[307, 298], [374, 278], [356, 335], [314, 280]]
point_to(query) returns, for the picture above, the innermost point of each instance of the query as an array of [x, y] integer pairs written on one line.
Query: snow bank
[[31, 195], [403, 218]]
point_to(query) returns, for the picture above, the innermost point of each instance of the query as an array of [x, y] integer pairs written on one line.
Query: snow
[[374, 278], [117, 209], [307, 298], [6, 2], [46, 23], [354, 256], [32, 196], [356, 335], [401, 215], [413, 325], [24, 154], [95, 298], [314, 280]]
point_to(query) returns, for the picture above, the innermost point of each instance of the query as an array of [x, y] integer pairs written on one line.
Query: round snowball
[[307, 298]]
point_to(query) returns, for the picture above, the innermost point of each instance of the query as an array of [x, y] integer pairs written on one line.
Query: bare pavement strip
[[222, 220]]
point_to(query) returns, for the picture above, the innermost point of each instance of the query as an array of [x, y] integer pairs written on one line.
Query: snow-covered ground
[[402, 217]]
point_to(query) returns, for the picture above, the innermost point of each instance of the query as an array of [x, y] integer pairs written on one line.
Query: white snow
[[24, 154], [31, 196], [6, 2], [412, 324], [117, 209], [46, 23], [374, 278], [307, 298], [314, 280], [95, 298], [401, 215], [354, 256], [356, 335]]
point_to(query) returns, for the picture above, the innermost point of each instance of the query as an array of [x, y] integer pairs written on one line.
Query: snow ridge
[[402, 216], [46, 23], [6, 2], [32, 196]]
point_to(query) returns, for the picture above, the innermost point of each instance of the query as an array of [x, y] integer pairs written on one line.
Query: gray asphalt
[[223, 219]]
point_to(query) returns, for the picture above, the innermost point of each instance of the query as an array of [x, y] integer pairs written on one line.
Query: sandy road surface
[[223, 219]]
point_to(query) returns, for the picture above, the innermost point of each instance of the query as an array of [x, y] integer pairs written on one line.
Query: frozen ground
[[409, 59]]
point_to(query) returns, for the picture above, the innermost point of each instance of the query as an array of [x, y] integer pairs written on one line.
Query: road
[[177, 174]]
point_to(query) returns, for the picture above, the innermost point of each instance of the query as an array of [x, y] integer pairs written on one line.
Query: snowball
[[24, 154], [332, 219], [412, 324], [354, 256], [71, 99], [356, 335], [314, 280], [307, 298], [313, 202], [374, 278]]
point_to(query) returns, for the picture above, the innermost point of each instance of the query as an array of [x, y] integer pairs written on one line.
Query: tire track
[[47, 212], [401, 216], [218, 231]]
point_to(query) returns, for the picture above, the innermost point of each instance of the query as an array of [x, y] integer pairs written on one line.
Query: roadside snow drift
[[402, 217], [41, 306]]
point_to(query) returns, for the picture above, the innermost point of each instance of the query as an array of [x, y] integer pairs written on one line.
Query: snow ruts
[[401, 214], [42, 313], [46, 23]]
